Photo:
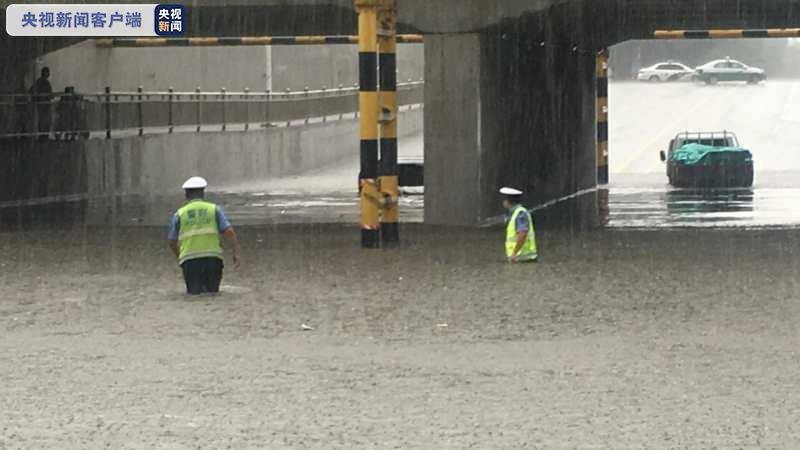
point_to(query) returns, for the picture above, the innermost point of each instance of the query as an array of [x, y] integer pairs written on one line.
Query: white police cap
[[195, 183], [510, 191]]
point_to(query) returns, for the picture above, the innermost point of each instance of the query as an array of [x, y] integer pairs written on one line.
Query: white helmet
[[195, 183], [510, 191]]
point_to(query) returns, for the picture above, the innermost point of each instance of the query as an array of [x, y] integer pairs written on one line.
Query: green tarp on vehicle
[[691, 154]]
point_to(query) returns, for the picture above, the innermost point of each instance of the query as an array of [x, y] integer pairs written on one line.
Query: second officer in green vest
[[194, 237], [520, 234]]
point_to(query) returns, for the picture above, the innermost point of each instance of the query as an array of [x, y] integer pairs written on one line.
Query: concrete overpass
[[510, 90], [510, 84]]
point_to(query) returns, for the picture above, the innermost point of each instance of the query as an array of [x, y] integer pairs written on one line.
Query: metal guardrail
[[72, 116]]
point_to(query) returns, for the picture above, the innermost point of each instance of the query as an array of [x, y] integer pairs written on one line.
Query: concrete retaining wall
[[158, 164], [33, 169], [90, 68]]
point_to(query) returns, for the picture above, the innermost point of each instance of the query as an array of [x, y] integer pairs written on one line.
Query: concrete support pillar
[[504, 109], [453, 146]]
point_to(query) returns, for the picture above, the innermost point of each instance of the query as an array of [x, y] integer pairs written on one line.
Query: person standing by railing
[[69, 115], [42, 93]]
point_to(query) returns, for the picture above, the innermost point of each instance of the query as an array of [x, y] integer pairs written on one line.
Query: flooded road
[[619, 338], [634, 202], [765, 118], [645, 201], [767, 121]]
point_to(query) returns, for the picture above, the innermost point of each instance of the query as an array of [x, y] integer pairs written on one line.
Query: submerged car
[[708, 159], [668, 71], [729, 70]]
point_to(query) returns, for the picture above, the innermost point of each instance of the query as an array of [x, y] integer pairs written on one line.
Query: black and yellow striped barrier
[[244, 41], [370, 196], [602, 117], [387, 99], [727, 34]]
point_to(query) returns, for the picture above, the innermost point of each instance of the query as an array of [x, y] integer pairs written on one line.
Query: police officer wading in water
[[520, 235], [194, 237]]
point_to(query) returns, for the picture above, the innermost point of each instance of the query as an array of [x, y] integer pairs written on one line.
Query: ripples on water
[[633, 203], [773, 202], [246, 208]]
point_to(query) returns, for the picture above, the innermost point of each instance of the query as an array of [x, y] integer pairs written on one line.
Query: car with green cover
[[708, 160]]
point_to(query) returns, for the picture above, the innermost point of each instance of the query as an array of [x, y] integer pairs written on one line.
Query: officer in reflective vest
[[520, 235], [194, 238]]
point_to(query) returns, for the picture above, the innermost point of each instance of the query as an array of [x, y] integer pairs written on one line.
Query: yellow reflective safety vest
[[528, 250], [198, 236]]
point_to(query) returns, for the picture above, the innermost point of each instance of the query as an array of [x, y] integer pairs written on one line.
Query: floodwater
[[619, 338], [639, 201], [616, 339]]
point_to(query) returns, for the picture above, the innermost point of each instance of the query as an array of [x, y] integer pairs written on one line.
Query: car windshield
[[715, 142]]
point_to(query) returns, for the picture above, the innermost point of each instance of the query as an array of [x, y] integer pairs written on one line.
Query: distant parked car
[[708, 159], [729, 70], [668, 71]]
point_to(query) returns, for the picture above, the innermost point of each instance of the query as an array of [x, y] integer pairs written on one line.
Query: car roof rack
[[707, 135]]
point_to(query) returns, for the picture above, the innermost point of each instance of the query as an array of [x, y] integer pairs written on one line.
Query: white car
[[729, 70], [667, 71]]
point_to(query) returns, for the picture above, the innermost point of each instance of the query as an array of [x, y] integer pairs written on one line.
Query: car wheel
[[655, 79], [712, 80], [753, 79]]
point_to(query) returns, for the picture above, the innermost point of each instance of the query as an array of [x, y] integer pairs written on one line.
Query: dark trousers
[[202, 275]]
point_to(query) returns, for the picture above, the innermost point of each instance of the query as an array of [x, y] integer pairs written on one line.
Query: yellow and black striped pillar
[[387, 99], [370, 196], [602, 117]]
